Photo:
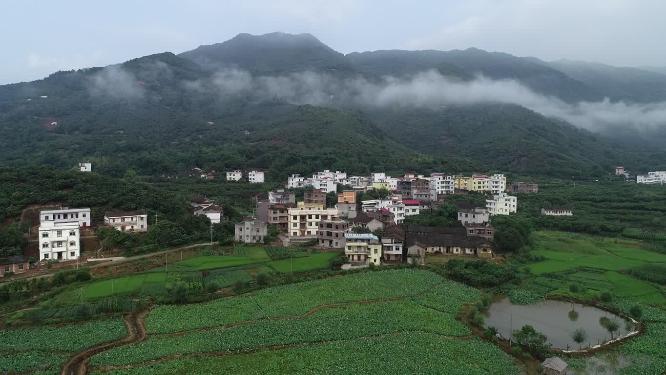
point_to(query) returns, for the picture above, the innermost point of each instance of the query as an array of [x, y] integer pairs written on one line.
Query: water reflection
[[566, 325]]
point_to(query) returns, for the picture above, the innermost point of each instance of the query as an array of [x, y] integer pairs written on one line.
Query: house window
[[45, 235], [46, 217], [7, 269], [72, 243], [20, 266], [72, 233], [71, 253], [59, 233], [46, 256], [45, 245]]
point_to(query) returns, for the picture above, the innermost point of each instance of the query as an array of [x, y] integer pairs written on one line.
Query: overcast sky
[[38, 37]]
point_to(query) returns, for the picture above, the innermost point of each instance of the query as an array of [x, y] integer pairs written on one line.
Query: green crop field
[[245, 263], [397, 317], [597, 265], [46, 348]]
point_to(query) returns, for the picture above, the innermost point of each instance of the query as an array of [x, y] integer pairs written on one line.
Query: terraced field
[[401, 320], [44, 349]]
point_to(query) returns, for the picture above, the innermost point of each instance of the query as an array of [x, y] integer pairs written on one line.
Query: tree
[[606, 296], [611, 325], [535, 342], [579, 336], [574, 288]]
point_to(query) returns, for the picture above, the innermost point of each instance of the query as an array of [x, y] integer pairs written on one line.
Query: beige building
[[363, 249], [304, 219]]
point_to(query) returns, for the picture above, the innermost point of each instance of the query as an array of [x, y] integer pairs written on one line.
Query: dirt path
[[136, 331]]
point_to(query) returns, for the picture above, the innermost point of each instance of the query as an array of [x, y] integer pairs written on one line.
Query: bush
[[263, 279], [636, 312], [574, 288], [606, 297]]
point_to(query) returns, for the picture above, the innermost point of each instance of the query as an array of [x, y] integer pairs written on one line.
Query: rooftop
[[361, 236]]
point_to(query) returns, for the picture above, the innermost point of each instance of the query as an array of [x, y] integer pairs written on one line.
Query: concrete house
[[250, 231], [85, 167], [474, 215], [363, 249], [304, 220], [234, 175], [524, 188], [127, 221], [392, 241], [59, 241], [556, 212], [212, 211], [274, 214], [502, 204], [331, 234], [281, 196], [13, 265], [255, 176]]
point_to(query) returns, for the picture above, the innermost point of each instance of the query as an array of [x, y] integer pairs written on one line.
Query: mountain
[[275, 53], [218, 107], [474, 62], [501, 137], [627, 84]]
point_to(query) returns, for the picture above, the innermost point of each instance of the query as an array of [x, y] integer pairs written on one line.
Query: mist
[[116, 83], [429, 89]]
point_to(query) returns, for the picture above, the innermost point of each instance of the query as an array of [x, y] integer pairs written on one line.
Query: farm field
[[45, 348], [597, 265], [225, 270], [317, 321]]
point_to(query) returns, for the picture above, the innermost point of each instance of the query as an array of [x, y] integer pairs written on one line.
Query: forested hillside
[[282, 103]]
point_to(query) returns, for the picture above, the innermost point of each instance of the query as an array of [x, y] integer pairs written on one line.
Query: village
[[329, 216]]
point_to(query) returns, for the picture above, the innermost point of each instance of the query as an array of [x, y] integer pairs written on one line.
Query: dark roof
[[415, 230], [439, 239], [366, 217], [465, 205], [116, 213], [361, 218], [393, 231], [15, 259]]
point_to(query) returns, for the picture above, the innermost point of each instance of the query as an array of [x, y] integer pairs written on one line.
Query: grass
[[301, 264], [245, 263], [567, 251], [400, 320]]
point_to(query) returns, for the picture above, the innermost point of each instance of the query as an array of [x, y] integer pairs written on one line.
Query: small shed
[[554, 366]]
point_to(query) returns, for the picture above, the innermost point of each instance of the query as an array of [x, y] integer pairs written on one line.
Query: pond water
[[557, 320]]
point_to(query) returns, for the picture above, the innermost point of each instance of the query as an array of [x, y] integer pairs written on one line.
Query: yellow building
[[477, 182], [381, 185]]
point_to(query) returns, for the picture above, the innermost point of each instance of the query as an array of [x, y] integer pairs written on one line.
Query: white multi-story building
[[502, 204], [59, 241], [378, 177], [375, 204], [337, 176], [296, 181], [357, 182], [441, 184], [304, 219], [85, 167], [234, 175], [327, 185], [255, 176], [127, 221], [80, 216], [657, 177], [497, 183], [398, 211]]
